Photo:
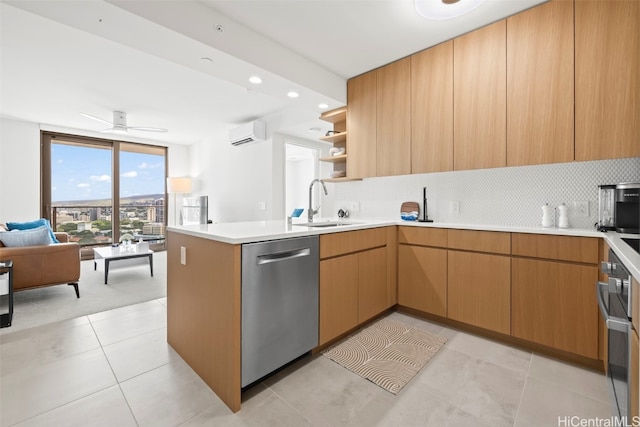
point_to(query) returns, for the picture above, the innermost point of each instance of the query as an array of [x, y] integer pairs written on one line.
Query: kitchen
[[483, 194], [494, 197]]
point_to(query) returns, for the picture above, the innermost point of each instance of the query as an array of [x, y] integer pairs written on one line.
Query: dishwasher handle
[[614, 323], [283, 256]]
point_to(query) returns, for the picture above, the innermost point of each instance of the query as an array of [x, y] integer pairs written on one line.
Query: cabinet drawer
[[351, 241], [480, 241], [423, 236], [563, 248]]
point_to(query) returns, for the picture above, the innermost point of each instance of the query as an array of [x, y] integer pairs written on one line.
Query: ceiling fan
[[119, 124]]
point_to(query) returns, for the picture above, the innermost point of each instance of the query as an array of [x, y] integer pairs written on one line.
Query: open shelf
[[343, 179], [334, 159], [335, 138], [335, 116]]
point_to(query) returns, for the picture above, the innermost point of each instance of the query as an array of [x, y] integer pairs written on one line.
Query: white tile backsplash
[[503, 196]]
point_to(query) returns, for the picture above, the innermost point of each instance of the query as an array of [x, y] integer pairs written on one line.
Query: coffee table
[[120, 253]]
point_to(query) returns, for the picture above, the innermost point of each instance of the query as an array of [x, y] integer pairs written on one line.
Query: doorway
[[302, 166]]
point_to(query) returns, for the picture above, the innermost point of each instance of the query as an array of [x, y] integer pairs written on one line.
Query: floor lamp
[[175, 186]]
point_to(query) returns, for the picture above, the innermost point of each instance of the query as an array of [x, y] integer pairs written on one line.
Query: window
[[99, 190]]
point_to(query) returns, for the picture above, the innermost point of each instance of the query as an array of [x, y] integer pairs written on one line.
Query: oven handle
[[613, 323]]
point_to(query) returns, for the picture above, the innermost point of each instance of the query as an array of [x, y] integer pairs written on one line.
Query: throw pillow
[[30, 237], [42, 222]]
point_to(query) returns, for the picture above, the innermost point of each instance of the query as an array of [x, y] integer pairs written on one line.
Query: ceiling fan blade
[[96, 118], [147, 129]]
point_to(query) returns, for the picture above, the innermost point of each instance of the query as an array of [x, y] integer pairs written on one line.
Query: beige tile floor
[[116, 369]]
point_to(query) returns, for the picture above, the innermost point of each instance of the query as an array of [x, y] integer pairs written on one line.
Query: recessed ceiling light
[[255, 80], [293, 94], [445, 9], [323, 106]]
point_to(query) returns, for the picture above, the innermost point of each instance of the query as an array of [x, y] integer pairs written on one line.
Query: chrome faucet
[[311, 211]]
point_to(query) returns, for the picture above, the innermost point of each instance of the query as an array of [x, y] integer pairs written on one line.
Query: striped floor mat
[[387, 353]]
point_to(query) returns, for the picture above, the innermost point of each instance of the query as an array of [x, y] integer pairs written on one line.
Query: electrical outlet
[[582, 208], [262, 206], [454, 207], [355, 207]]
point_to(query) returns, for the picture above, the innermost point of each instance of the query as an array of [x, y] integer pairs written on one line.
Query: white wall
[[503, 196], [20, 166], [19, 171], [235, 178]]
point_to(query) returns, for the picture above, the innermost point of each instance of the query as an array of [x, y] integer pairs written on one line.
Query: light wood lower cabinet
[[554, 304], [355, 284], [372, 283], [422, 279], [338, 296], [479, 290]]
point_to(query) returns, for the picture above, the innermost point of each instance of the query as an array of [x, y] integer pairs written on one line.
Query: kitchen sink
[[325, 224]]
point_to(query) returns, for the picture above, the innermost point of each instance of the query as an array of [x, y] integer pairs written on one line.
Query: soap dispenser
[[547, 216]]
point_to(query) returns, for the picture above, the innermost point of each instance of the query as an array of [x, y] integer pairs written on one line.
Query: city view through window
[[82, 202]]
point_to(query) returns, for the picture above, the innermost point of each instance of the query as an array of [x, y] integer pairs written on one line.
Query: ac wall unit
[[249, 132]]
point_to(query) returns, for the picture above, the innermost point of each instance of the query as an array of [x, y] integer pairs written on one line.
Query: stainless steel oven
[[614, 299]]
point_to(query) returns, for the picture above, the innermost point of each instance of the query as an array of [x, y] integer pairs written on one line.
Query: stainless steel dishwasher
[[279, 304]]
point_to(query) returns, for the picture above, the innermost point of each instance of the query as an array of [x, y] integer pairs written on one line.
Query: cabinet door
[[554, 304], [338, 296], [393, 135], [607, 79], [361, 125], [372, 283], [540, 85], [422, 279], [432, 109], [479, 290], [479, 98]]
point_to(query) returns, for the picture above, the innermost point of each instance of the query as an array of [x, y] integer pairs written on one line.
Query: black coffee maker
[[627, 211]]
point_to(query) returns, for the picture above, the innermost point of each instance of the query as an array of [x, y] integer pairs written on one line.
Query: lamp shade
[[178, 185]]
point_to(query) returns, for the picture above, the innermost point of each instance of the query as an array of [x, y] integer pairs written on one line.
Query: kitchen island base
[[203, 311]]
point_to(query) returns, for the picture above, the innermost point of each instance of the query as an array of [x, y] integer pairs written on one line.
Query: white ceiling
[[144, 57]]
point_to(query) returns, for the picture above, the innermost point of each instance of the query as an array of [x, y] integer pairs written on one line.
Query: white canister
[[547, 216], [563, 219]]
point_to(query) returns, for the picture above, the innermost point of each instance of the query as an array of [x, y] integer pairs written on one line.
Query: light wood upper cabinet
[[361, 125], [479, 98], [540, 89], [432, 109], [393, 133], [607, 75]]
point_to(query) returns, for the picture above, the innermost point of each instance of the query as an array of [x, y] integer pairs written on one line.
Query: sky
[[82, 173]]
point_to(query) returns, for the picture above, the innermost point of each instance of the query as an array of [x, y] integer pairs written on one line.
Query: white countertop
[[259, 231]]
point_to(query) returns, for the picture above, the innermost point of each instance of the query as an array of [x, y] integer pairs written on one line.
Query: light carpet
[[127, 285], [387, 353]]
